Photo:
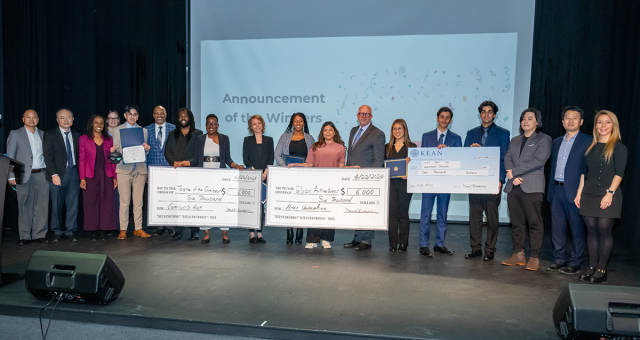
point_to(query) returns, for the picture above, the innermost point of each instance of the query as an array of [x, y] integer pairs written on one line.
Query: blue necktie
[[357, 137], [484, 136], [441, 140], [69, 154], [160, 138]]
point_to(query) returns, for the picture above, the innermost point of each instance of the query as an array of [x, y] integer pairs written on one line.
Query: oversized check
[[204, 197], [454, 170], [334, 198]]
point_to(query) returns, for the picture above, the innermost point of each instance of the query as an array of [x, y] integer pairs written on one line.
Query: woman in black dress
[[399, 199], [257, 153], [598, 197]]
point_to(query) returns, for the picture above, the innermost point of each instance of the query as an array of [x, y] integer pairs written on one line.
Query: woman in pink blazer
[[97, 179]]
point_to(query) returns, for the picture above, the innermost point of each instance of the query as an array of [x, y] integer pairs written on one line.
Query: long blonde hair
[[613, 139], [406, 139]]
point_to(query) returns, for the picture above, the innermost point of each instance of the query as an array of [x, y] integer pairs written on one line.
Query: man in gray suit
[[365, 150], [25, 146]]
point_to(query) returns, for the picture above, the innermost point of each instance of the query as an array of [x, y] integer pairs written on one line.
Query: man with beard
[[180, 150]]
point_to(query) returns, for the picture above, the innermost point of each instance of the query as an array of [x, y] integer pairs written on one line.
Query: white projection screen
[[325, 58]]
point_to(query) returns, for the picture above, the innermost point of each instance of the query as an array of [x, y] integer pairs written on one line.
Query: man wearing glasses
[[131, 177], [365, 150], [158, 133]]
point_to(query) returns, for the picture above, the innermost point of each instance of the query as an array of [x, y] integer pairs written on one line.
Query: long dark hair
[[304, 118], [192, 124], [89, 129], [321, 141]]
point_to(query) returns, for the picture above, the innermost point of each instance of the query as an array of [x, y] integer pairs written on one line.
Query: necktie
[[441, 140], [159, 138], [69, 153], [484, 136], [355, 140]]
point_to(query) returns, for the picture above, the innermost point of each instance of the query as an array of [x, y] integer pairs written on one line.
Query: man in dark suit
[[439, 138], [366, 150], [25, 146], [486, 135], [567, 161], [61, 158], [157, 134]]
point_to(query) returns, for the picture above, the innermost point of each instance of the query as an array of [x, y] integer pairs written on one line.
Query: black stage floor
[[275, 290]]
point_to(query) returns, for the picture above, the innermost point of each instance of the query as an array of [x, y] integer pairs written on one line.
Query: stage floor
[[275, 290]]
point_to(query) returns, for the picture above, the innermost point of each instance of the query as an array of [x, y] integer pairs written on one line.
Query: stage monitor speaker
[[81, 278], [585, 311]]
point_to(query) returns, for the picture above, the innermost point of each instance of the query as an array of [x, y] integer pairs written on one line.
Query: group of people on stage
[[584, 189]]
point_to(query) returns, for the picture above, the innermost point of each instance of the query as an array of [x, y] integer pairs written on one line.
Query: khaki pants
[[131, 185]]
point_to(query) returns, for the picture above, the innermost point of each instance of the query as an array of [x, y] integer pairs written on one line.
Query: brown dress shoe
[[533, 264], [517, 259], [141, 233], [123, 235]]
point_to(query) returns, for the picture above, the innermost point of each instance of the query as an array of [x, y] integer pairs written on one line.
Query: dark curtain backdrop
[[91, 56]]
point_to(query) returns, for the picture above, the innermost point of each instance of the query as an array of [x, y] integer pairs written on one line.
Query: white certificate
[[204, 197], [133, 154], [333, 198], [454, 170]]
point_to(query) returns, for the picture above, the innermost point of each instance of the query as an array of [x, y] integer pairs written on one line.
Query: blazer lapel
[[25, 137], [363, 135]]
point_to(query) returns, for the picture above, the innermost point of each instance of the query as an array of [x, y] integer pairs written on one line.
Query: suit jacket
[[55, 152], [19, 148], [250, 155], [88, 157], [171, 147], [122, 168], [430, 139], [369, 150], [574, 166], [497, 137], [156, 154], [225, 151], [528, 165]]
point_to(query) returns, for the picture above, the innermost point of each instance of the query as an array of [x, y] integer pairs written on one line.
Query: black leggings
[[599, 240]]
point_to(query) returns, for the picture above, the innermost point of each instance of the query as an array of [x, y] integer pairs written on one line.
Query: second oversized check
[[334, 198], [454, 170]]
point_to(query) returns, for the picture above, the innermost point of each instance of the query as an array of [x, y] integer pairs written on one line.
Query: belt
[[558, 183], [211, 159], [35, 171]]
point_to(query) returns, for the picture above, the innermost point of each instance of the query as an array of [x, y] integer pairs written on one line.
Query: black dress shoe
[[42, 240], [104, 235], [253, 240], [555, 267], [261, 240], [425, 251], [362, 246], [585, 277], [226, 241], [72, 238], [159, 231], [57, 238], [205, 240], [402, 247], [473, 254], [171, 232], [569, 270], [392, 248], [600, 276], [443, 250], [351, 244], [177, 234], [23, 242], [94, 236], [488, 257]]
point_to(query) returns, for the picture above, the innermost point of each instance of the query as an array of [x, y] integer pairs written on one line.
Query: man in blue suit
[[485, 135], [439, 138], [158, 132], [567, 161]]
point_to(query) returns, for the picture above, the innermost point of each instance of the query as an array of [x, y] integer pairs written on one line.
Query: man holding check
[[439, 138]]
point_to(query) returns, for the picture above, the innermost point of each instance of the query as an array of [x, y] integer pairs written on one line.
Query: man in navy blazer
[[485, 135], [157, 134], [439, 138], [567, 161]]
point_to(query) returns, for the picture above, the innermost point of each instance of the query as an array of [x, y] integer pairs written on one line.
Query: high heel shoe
[[585, 277], [600, 276], [299, 234], [289, 236]]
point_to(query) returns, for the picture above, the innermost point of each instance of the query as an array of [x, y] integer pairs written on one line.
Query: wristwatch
[[611, 192]]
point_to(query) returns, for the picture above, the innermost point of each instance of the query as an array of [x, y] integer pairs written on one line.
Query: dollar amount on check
[[334, 198], [204, 197], [454, 170]]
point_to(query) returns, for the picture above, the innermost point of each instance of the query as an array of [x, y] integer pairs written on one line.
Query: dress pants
[[116, 198], [526, 209], [65, 196], [98, 202], [489, 204], [399, 201], [131, 185], [563, 210], [33, 207], [425, 218]]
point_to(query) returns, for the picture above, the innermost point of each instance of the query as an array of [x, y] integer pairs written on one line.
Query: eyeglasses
[[113, 118], [364, 114]]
